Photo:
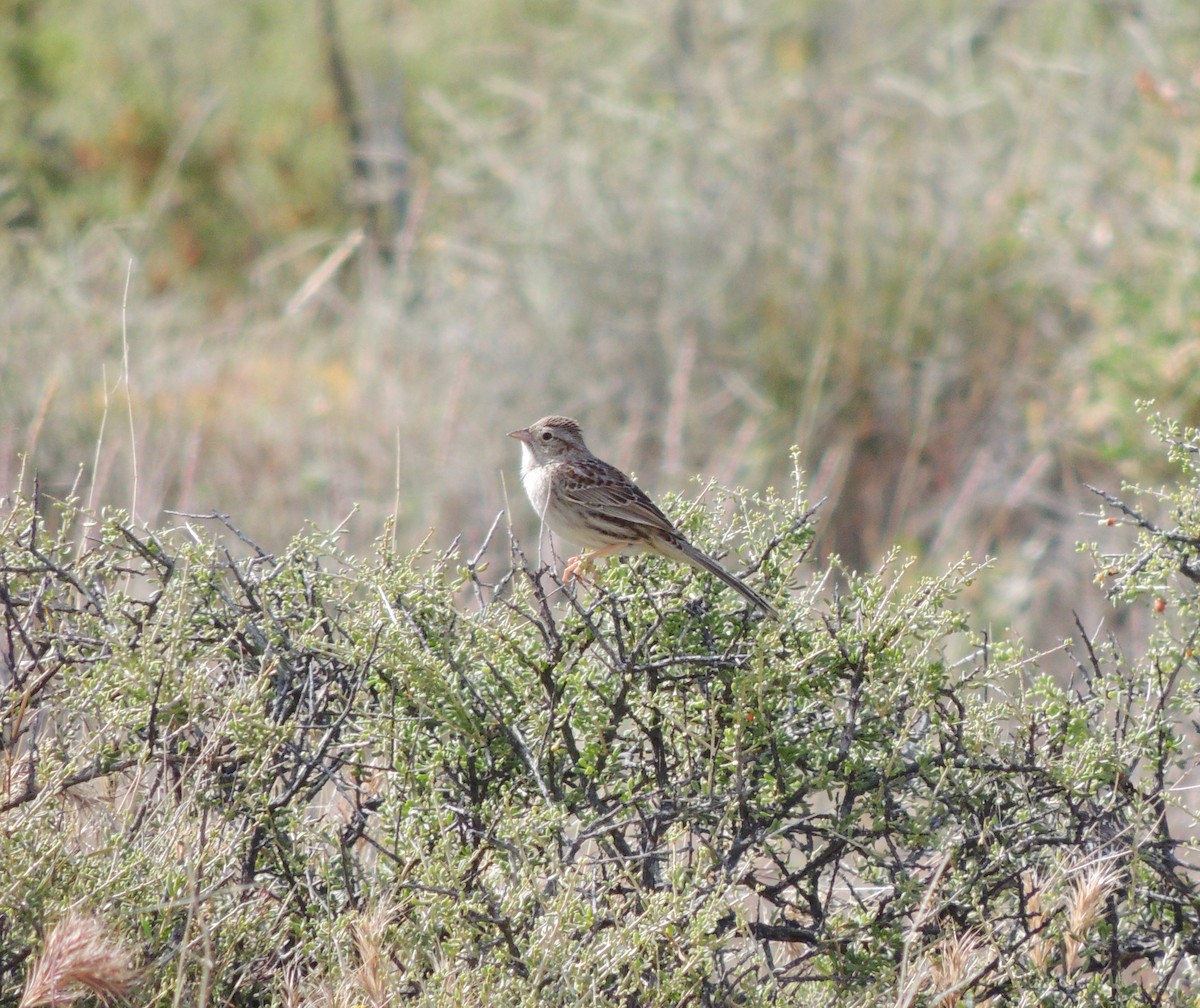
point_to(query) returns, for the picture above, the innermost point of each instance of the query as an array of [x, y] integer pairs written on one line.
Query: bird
[[595, 505]]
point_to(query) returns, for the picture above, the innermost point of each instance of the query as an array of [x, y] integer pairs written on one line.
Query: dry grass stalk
[[371, 976], [1088, 895], [912, 982], [914, 976], [290, 987], [1040, 948], [80, 958], [371, 984], [954, 964]]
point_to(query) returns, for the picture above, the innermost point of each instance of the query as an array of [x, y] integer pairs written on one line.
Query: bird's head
[[551, 438]]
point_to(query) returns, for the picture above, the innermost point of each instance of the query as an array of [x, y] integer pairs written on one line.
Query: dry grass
[[947, 970], [370, 977], [1081, 894], [375, 976], [955, 964], [1041, 948], [81, 958], [1086, 900]]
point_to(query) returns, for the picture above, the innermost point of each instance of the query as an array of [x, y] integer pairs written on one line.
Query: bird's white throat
[[535, 478]]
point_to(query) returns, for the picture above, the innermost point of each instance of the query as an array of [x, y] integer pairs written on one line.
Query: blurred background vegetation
[[278, 261]]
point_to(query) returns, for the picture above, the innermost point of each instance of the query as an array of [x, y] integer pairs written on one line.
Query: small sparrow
[[594, 504]]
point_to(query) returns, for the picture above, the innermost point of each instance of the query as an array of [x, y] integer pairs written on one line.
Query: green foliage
[[1167, 563], [327, 779]]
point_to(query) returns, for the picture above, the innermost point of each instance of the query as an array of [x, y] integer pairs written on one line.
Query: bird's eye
[[547, 436]]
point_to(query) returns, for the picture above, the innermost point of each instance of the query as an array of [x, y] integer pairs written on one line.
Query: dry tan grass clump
[[1084, 904], [955, 964], [373, 975], [80, 958], [1089, 894], [372, 984], [1041, 948]]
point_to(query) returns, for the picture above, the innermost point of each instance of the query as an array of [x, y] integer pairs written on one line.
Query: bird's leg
[[580, 566], [575, 567]]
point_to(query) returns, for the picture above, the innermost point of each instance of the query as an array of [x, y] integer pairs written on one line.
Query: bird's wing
[[606, 491]]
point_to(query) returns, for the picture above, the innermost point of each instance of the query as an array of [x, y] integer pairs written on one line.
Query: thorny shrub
[[313, 778]]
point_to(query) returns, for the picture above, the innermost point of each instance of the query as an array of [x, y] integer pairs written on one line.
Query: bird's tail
[[701, 561]]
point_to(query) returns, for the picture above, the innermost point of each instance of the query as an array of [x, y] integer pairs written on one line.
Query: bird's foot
[[579, 568]]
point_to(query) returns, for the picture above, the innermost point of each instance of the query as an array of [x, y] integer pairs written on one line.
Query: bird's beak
[[521, 435]]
